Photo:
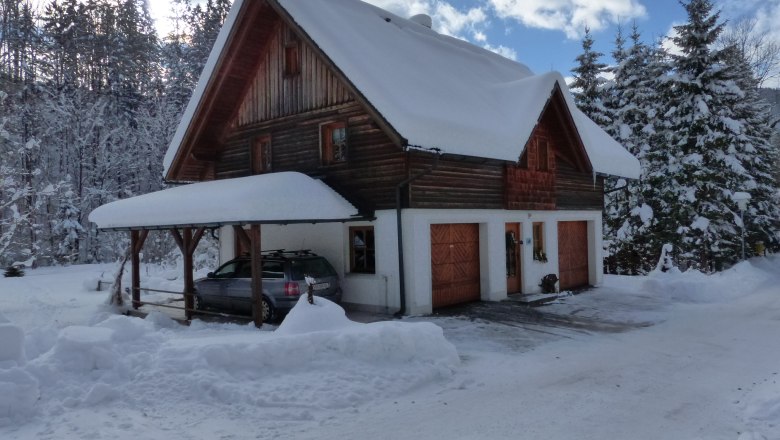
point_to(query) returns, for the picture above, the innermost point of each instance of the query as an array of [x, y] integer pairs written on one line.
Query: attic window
[[292, 59], [292, 53], [334, 143], [542, 151]]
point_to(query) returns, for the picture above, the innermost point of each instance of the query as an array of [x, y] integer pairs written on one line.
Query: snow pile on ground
[[316, 359], [693, 286], [18, 389]]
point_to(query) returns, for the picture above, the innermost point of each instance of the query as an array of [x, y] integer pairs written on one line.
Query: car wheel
[[198, 303], [268, 310]]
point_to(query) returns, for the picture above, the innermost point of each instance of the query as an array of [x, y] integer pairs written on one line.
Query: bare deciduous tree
[[758, 48]]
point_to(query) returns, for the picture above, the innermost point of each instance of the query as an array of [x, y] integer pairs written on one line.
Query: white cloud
[[668, 42], [569, 16], [447, 19], [506, 52]]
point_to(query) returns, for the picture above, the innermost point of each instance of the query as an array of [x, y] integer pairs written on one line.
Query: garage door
[[455, 263], [573, 254]]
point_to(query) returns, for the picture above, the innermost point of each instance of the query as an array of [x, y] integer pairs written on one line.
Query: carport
[[188, 211]]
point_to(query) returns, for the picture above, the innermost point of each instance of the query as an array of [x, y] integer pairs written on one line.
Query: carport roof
[[278, 198]]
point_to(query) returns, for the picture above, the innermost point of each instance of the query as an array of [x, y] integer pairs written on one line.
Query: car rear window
[[314, 267]]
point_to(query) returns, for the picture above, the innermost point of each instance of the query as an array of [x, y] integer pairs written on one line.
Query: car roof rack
[[283, 253]]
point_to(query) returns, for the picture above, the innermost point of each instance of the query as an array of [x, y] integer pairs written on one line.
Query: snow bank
[[316, 359], [693, 286], [18, 393], [11, 343], [18, 389]]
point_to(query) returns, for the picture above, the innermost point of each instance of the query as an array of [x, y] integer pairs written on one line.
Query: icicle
[[594, 178]]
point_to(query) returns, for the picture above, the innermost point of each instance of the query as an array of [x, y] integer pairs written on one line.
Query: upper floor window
[[261, 155], [361, 249], [334, 143]]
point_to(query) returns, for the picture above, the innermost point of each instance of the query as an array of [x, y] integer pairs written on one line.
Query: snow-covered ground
[[672, 356]]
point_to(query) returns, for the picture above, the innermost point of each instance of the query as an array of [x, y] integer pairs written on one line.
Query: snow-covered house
[[455, 174]]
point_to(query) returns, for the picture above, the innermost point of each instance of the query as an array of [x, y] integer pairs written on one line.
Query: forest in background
[[90, 97]]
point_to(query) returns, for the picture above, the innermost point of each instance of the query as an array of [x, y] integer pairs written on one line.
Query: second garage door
[[573, 254], [455, 263]]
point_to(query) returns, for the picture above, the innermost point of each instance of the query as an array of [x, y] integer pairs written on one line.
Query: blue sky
[[546, 34]]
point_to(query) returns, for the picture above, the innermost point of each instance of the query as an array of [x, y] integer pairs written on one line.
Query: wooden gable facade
[[275, 96]]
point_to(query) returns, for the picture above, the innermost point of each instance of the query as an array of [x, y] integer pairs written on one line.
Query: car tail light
[[291, 289]]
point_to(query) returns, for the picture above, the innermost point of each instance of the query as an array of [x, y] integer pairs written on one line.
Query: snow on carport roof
[[287, 197]]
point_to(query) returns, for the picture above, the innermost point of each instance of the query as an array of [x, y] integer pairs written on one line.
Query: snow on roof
[[434, 90], [287, 197]]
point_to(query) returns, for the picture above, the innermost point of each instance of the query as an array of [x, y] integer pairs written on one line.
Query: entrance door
[[573, 254], [513, 241], [455, 264]]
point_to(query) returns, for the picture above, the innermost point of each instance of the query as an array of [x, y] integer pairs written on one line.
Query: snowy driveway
[[671, 356]]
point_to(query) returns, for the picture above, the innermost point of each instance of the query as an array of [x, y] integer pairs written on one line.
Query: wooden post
[[135, 263], [187, 242], [137, 239], [255, 252], [189, 282]]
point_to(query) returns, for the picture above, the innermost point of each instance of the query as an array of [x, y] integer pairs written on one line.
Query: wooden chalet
[[473, 178]]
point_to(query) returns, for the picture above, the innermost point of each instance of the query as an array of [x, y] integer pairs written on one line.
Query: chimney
[[422, 19]]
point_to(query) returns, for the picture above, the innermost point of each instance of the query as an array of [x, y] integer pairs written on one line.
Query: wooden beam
[[177, 238], [196, 239], [257, 275]]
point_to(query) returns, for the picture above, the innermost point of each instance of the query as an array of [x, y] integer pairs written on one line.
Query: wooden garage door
[[455, 263], [573, 254]]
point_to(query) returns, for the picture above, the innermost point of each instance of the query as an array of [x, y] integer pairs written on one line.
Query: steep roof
[[432, 89]]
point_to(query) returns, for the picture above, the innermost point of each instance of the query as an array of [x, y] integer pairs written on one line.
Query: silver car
[[229, 288]]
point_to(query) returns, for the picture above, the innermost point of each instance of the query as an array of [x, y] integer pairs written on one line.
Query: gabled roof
[[433, 90], [278, 198]]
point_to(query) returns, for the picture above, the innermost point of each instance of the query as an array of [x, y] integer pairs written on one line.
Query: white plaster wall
[[417, 248], [380, 291], [227, 244]]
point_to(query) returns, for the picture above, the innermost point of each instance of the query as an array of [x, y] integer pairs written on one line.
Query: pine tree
[[699, 166], [66, 226], [634, 103], [588, 82], [758, 155]]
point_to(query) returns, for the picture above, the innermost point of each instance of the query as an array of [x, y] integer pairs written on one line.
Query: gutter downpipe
[[398, 209]]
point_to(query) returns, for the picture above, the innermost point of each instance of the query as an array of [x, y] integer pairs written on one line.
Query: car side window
[[245, 271], [273, 269]]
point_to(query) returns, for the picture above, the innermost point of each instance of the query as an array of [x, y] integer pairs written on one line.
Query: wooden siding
[[273, 94], [577, 190], [374, 166], [461, 183]]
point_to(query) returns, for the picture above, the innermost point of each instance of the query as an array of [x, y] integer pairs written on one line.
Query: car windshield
[[313, 267]]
